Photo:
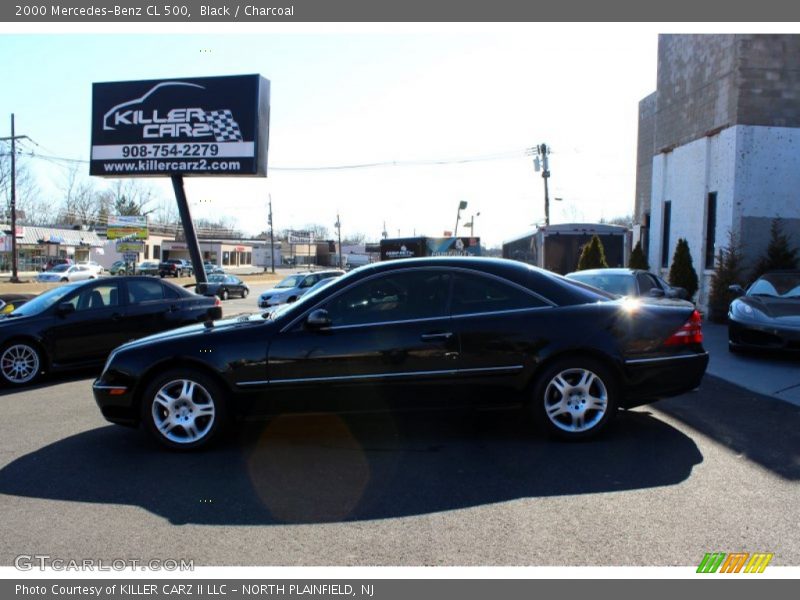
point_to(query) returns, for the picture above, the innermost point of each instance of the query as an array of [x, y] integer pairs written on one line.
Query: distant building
[[719, 147]]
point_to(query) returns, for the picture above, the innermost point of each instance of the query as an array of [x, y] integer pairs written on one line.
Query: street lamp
[[461, 206], [471, 224]]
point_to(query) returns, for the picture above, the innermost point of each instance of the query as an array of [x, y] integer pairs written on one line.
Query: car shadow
[[763, 429], [333, 468]]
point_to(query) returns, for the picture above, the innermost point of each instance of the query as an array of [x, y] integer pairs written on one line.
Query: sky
[[344, 96]]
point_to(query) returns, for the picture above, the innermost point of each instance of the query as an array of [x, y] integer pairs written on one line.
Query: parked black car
[[78, 324], [223, 286], [767, 315], [630, 282], [570, 353]]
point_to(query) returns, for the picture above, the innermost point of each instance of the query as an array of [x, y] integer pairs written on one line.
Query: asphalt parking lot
[[713, 470]]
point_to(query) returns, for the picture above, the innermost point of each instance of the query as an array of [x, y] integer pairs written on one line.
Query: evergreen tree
[[779, 254], [638, 260], [593, 255], [729, 270], [681, 272]]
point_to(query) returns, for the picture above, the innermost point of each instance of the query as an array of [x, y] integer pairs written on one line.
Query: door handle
[[435, 337]]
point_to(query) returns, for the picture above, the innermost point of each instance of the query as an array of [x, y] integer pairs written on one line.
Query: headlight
[[741, 309]]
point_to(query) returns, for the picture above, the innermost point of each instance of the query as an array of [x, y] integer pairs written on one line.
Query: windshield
[[42, 302], [777, 285], [59, 268], [216, 278], [614, 283], [290, 282], [305, 299]]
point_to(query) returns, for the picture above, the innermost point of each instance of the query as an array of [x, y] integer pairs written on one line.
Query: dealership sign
[[122, 227], [197, 126]]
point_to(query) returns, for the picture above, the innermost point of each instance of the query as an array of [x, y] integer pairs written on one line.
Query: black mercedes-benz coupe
[[500, 331], [77, 324]]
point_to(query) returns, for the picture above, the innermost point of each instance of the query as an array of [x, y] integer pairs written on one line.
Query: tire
[[20, 363], [184, 409], [63, 279], [245, 292], [224, 294], [575, 398]]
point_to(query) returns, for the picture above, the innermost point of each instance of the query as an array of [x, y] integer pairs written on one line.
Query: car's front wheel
[[224, 294], [184, 409], [245, 292], [20, 363], [575, 398]]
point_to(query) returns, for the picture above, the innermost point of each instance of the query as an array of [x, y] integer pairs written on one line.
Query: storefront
[[36, 246], [224, 254]]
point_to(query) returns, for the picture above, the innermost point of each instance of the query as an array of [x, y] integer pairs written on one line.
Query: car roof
[[609, 271]]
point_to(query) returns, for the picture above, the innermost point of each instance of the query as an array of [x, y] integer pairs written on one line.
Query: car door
[[96, 326], [147, 307], [390, 327], [501, 326]]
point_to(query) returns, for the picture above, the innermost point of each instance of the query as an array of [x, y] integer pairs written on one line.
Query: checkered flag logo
[[224, 127]]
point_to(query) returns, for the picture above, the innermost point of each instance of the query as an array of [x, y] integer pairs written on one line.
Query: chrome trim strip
[[381, 375], [636, 361], [501, 312], [109, 387], [381, 323]]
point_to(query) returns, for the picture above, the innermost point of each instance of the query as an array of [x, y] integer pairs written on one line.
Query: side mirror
[[65, 308], [214, 313], [656, 293], [318, 319], [736, 290]]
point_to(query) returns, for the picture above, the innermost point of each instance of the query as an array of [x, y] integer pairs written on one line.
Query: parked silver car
[[294, 286]]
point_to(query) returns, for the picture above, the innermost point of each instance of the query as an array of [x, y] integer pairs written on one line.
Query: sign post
[[212, 126]]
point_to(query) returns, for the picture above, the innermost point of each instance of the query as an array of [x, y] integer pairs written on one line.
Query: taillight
[[690, 332], [217, 302]]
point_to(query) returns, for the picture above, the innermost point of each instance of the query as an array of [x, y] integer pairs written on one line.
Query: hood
[[197, 330], [784, 309]]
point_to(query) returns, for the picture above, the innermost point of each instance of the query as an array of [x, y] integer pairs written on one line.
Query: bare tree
[[81, 202], [354, 238], [31, 208], [131, 197]]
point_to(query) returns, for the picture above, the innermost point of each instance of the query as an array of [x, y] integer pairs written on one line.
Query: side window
[[392, 297], [96, 297], [646, 283], [171, 293], [144, 291], [479, 294]]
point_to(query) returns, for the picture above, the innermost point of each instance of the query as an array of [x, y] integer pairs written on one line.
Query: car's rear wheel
[[575, 398], [20, 363], [184, 409], [63, 279]]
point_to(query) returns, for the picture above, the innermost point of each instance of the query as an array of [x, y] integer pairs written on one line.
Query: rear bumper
[[648, 379]]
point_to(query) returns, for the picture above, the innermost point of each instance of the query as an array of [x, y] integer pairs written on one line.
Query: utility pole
[[339, 230], [271, 235], [13, 139], [544, 151]]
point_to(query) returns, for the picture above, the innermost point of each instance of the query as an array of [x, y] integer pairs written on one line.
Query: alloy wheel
[[19, 363], [575, 400], [183, 411]]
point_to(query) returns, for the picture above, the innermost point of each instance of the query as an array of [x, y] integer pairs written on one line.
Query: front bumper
[[648, 379], [767, 336], [116, 402]]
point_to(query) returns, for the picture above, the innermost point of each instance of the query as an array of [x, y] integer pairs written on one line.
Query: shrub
[[682, 273], [638, 260], [779, 254], [729, 271], [593, 255]]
